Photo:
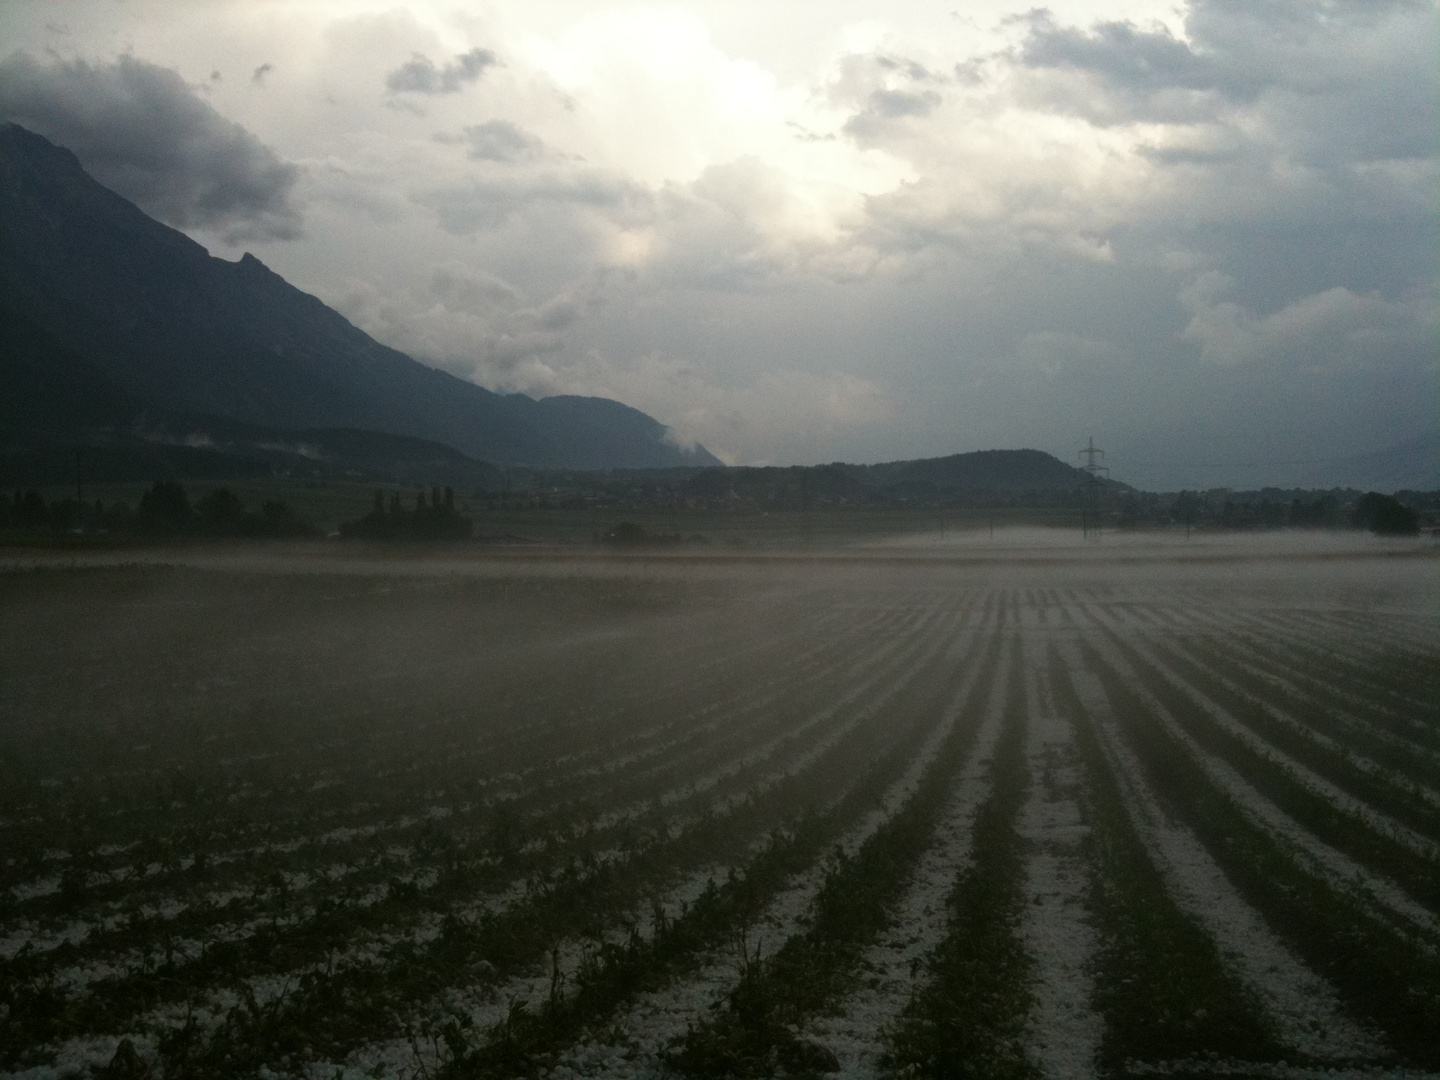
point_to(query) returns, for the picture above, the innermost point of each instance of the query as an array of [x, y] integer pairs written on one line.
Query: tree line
[[164, 510], [390, 519], [1228, 511]]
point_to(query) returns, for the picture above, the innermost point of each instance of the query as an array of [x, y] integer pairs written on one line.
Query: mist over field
[[1024, 804]]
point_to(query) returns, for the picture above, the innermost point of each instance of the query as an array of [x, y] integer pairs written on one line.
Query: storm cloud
[[421, 76], [140, 129]]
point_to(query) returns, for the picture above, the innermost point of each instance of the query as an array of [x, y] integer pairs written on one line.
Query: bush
[[166, 507], [1385, 515]]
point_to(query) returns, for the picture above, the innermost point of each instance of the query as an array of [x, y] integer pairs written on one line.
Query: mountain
[[53, 401], [174, 330], [604, 431], [46, 387]]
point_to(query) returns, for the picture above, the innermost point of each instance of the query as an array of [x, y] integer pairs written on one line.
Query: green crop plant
[[967, 1018], [1161, 987], [1385, 974]]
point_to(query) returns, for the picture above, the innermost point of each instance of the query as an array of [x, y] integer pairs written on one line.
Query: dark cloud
[[500, 140], [1296, 58], [421, 76], [258, 75], [141, 130], [883, 107], [1117, 73], [1122, 54]]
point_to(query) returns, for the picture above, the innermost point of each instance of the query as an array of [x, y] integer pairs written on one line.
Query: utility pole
[[1092, 484], [79, 499], [805, 507]]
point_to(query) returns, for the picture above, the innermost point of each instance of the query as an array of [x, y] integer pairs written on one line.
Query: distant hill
[[982, 470], [141, 317], [984, 477]]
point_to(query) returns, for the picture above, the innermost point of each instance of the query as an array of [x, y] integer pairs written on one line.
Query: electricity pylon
[[1092, 484]]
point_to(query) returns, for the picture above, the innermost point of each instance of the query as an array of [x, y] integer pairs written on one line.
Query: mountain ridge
[[185, 332]]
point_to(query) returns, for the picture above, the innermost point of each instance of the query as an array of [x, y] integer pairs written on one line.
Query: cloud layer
[[140, 129], [419, 75], [806, 235]]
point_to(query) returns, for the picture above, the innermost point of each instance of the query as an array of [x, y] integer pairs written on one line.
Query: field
[[1009, 808]]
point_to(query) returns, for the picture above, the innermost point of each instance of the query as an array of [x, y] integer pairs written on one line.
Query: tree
[[166, 507], [1385, 515], [220, 512], [435, 520], [29, 510]]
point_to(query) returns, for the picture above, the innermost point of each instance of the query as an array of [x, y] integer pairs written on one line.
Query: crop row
[[326, 924], [698, 864], [1377, 967]]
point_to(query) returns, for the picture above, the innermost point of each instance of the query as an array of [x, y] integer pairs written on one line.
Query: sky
[[1204, 234]]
